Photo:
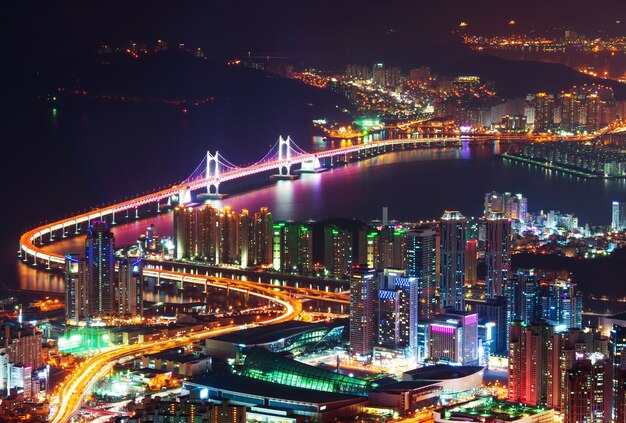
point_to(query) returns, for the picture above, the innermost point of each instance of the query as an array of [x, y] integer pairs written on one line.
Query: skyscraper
[[453, 338], [293, 248], [523, 297], [362, 298], [421, 263], [498, 254], [185, 232], [528, 346], [471, 261], [229, 236], [561, 304], [100, 246], [544, 112], [453, 227], [208, 233], [398, 314], [618, 221], [130, 287], [263, 225], [77, 283], [337, 251]]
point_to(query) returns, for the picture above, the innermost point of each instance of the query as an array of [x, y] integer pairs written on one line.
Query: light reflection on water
[[414, 184]]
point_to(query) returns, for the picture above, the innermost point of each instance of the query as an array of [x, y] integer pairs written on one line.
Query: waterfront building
[[498, 254], [422, 265], [337, 251], [293, 248], [246, 238], [544, 111], [130, 287], [208, 234], [618, 221], [185, 234], [263, 237], [77, 284], [453, 338], [100, 246], [453, 227], [514, 206], [229, 236], [362, 320]]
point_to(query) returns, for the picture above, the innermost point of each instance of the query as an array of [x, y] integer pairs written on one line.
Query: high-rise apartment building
[[498, 253], [528, 346], [100, 245], [398, 314], [422, 265], [293, 248], [263, 236], [185, 232], [77, 285], [589, 391], [471, 261], [362, 319], [130, 287], [453, 227], [337, 251], [453, 338]]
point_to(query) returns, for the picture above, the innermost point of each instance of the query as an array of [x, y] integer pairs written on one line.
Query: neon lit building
[[588, 396], [293, 248], [263, 237], [337, 251], [100, 245], [453, 338], [398, 315], [185, 235]]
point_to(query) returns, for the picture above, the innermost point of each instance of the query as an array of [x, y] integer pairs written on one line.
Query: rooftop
[[488, 408], [442, 372], [266, 334], [246, 385]]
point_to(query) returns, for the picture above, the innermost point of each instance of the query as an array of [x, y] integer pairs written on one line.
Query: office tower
[[130, 287], [337, 251], [498, 254], [293, 248], [421, 264], [471, 261], [263, 225], [398, 314], [208, 234], [100, 246], [589, 393], [493, 311], [544, 112], [362, 298], [528, 346], [20, 378], [453, 227], [229, 237], [453, 338], [185, 234], [560, 304], [77, 283], [618, 221], [618, 345]]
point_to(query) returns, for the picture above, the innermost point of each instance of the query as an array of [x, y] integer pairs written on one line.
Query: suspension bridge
[[214, 169]]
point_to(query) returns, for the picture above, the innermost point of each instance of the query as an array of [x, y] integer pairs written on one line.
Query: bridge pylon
[[284, 159], [212, 173]]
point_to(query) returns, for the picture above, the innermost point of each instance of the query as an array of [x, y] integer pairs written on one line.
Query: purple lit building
[[453, 338]]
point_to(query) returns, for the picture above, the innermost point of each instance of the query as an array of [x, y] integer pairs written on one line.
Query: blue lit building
[[422, 265]]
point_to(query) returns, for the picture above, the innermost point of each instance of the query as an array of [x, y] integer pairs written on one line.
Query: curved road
[[71, 394]]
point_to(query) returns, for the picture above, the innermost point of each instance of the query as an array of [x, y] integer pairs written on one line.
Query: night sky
[[311, 28]]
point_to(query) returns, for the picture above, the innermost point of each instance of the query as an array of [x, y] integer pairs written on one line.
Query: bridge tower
[[213, 173], [284, 154]]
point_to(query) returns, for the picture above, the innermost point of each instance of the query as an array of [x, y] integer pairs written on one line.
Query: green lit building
[[264, 365], [294, 337], [293, 248], [83, 340]]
